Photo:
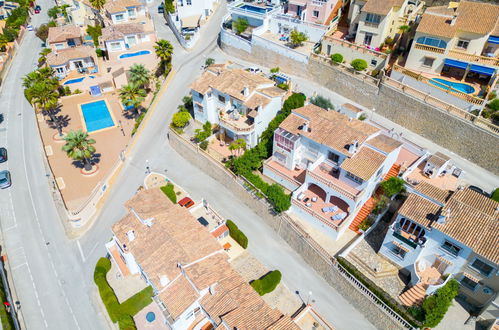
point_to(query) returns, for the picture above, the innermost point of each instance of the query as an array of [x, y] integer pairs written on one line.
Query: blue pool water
[[141, 52], [255, 9], [96, 115], [76, 80], [150, 317], [465, 88]]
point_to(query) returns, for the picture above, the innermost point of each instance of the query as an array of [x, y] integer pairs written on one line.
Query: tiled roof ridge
[[464, 204]]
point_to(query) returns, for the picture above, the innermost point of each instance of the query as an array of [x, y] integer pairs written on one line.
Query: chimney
[[443, 217], [454, 19], [352, 148], [211, 289], [130, 235], [245, 91], [163, 280], [305, 127]]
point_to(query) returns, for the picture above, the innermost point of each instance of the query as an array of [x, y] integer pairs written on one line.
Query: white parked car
[[253, 69], [30, 27]]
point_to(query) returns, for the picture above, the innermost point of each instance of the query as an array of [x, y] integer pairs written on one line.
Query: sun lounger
[[327, 209]]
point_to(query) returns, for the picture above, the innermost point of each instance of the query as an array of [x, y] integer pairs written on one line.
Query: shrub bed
[[337, 58], [169, 192], [237, 234], [435, 306], [359, 64], [267, 283]]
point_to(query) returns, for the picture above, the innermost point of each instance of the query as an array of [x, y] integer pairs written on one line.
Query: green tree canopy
[[297, 38], [140, 75], [359, 64], [240, 25], [79, 147], [180, 119], [132, 95], [322, 102], [393, 186]]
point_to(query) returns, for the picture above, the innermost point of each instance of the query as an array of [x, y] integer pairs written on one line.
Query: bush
[[322, 102], [95, 32], [240, 25], [169, 7], [267, 283], [389, 41], [209, 61], [392, 186], [100, 52], [362, 117], [494, 105], [237, 234], [54, 12], [180, 119], [337, 58], [202, 134], [283, 86], [138, 120], [297, 38], [495, 195], [492, 95], [279, 198], [106, 292], [204, 145], [366, 223], [374, 73], [436, 305], [274, 70], [359, 64], [126, 322], [42, 32], [169, 192]]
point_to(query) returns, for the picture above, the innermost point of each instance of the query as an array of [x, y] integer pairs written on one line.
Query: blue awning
[[482, 69], [455, 64], [493, 40]]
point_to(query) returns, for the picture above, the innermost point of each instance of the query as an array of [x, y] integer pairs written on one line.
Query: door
[[368, 37], [131, 41]]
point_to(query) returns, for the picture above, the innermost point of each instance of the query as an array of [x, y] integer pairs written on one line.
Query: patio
[[124, 286], [150, 60], [297, 175], [306, 48], [158, 323], [444, 182]]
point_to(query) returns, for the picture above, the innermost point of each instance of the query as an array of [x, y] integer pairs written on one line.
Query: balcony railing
[[233, 127], [359, 48], [492, 61], [315, 214], [429, 48], [407, 241], [371, 24], [333, 185]]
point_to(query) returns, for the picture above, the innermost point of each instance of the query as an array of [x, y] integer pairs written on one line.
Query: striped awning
[[482, 70], [400, 246], [455, 64], [445, 261], [493, 40], [471, 277]]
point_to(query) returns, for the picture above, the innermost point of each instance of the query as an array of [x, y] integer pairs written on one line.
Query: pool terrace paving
[[75, 188], [150, 61]]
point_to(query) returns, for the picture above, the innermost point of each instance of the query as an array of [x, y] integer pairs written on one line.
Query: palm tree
[[132, 95], [164, 51], [42, 95], [79, 147], [98, 4], [41, 75], [139, 75]]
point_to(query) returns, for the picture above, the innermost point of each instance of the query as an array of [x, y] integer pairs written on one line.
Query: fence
[[318, 258]]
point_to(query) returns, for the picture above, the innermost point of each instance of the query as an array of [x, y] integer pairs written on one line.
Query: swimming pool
[[465, 88], [77, 80], [141, 52], [255, 9], [96, 115]]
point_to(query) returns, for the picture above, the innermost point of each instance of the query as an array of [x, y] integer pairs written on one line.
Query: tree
[[164, 51], [297, 38], [3, 41], [281, 200], [405, 28], [494, 105], [202, 134], [98, 4], [237, 145], [337, 58], [139, 75], [10, 34], [17, 18], [95, 32], [187, 100], [79, 147], [359, 64], [392, 186], [132, 95], [180, 119], [240, 25], [209, 61], [43, 56], [42, 32], [435, 306], [54, 12], [322, 102], [44, 75]]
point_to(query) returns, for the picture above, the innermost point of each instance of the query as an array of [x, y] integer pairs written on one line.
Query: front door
[[368, 37], [78, 64]]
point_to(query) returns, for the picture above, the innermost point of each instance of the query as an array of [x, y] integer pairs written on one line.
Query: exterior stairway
[[414, 296], [393, 172], [363, 213]]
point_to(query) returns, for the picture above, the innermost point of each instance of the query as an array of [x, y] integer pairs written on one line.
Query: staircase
[[363, 213], [413, 296], [383, 269], [393, 172]]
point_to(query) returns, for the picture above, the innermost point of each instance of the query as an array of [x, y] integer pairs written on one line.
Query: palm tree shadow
[[61, 121], [94, 161]]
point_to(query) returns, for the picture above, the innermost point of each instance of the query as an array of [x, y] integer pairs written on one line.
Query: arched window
[[432, 42]]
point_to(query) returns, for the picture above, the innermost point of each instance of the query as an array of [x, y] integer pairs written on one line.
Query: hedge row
[[435, 306], [237, 234], [267, 283], [169, 192]]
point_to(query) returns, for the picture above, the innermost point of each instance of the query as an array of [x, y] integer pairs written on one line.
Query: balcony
[[235, 122], [490, 61], [328, 175], [429, 48], [413, 237], [400, 236]]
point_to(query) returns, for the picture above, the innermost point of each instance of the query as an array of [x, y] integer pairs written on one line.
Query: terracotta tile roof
[[476, 17], [364, 163], [438, 159], [384, 143], [273, 91], [62, 33], [178, 296], [381, 7], [351, 107], [429, 190], [118, 6], [219, 231], [208, 271], [419, 209], [474, 221], [118, 31], [62, 56], [256, 100], [328, 127]]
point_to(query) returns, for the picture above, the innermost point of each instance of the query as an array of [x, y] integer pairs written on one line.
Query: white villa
[[242, 103], [124, 11], [120, 37], [332, 162], [190, 13]]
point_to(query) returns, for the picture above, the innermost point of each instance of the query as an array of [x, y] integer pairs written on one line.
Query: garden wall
[[289, 232]]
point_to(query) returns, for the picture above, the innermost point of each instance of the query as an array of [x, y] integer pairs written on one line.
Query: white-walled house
[[242, 103], [189, 13], [332, 163], [62, 37], [187, 268], [78, 58], [120, 37], [124, 11], [437, 235]]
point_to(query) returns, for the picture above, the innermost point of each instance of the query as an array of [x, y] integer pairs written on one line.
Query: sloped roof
[[419, 209], [364, 163], [118, 31], [381, 7], [63, 56], [118, 6], [384, 143], [62, 33]]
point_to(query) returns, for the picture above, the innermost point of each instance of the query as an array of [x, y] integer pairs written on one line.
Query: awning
[[471, 277], [493, 40], [445, 261], [400, 246], [298, 2], [482, 69], [456, 64], [190, 21]]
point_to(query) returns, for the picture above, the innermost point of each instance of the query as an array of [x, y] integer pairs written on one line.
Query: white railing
[[287, 18]]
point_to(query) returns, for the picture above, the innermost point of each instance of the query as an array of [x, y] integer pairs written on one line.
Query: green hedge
[[435, 306], [121, 313], [267, 283], [169, 192], [237, 234], [495, 195]]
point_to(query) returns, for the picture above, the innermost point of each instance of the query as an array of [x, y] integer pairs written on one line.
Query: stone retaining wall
[[279, 223], [447, 130]]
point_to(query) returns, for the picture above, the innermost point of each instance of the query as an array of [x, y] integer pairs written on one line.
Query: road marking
[[81, 251], [18, 266]]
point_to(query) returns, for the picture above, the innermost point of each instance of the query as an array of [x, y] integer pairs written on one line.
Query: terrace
[[295, 175], [447, 181], [236, 122], [330, 176]]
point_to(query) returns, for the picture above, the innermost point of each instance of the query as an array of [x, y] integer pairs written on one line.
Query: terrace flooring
[[445, 182], [306, 48]]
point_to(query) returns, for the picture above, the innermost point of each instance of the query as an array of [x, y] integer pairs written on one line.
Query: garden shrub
[[494, 105], [240, 25], [126, 322], [267, 283], [237, 234], [392, 186], [283, 86], [359, 64], [495, 195], [169, 192], [274, 70], [436, 305], [204, 133], [106, 292], [279, 198], [209, 61], [362, 117], [322, 102], [204, 145], [337, 58], [492, 95], [138, 120], [366, 223], [180, 119]]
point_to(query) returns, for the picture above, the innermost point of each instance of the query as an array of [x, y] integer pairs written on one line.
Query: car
[[161, 8], [30, 27], [38, 9], [253, 69], [478, 190], [5, 181], [186, 202], [3, 155]]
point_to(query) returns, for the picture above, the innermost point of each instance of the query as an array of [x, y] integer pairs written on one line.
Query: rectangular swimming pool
[[255, 9], [96, 115]]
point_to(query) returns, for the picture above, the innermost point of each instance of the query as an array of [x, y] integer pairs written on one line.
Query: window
[[373, 19], [221, 98], [354, 178], [469, 283], [59, 46], [209, 94], [368, 38], [333, 157], [115, 45], [119, 17], [463, 44], [284, 142], [379, 172], [434, 42], [428, 61], [451, 248], [188, 2], [59, 70], [315, 13], [482, 267], [398, 251], [374, 62], [198, 107], [329, 49], [131, 12]]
